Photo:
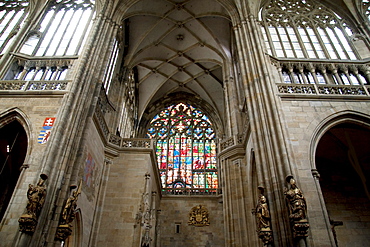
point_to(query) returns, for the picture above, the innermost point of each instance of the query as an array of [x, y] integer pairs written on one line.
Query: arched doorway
[[13, 148], [343, 161]]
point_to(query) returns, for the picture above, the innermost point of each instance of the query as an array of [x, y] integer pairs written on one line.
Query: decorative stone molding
[[16, 85]]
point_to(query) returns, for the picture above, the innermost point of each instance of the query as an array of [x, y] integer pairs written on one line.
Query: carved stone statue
[[263, 219], [67, 216], [68, 213], [297, 208], [263, 213], [36, 197]]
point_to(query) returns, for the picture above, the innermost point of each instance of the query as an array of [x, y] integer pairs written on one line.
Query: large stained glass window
[[186, 149]]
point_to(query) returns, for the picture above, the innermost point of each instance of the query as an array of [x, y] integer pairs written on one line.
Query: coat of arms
[[198, 216]]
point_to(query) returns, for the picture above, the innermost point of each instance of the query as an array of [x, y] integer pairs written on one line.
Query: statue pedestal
[[63, 232], [265, 235], [27, 223], [300, 229]]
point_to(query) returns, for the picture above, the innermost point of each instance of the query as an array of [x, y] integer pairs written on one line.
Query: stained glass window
[[186, 149]]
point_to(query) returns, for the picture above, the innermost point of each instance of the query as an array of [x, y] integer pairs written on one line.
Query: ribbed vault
[[178, 47]]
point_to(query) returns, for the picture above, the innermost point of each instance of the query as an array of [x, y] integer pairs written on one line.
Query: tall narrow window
[[12, 15], [109, 70], [186, 149], [305, 29], [62, 30]]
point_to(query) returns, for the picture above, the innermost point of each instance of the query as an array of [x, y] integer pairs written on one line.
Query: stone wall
[[34, 111], [175, 211], [123, 217], [305, 121]]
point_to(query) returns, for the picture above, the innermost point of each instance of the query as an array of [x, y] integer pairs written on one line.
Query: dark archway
[[343, 161], [13, 149]]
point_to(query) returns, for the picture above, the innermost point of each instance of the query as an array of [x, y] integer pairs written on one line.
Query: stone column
[[76, 110], [234, 192], [271, 150]]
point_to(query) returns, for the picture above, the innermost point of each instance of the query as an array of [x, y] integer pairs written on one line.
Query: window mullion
[[269, 39], [331, 42], [290, 42], [13, 31], [41, 39], [8, 23], [300, 41], [350, 43], [84, 33], [310, 40], [281, 41], [73, 34], [65, 31], [55, 31], [340, 43], [323, 46]]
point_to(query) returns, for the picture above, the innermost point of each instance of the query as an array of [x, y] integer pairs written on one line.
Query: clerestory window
[[62, 30], [12, 16], [60, 35], [305, 29], [186, 149]]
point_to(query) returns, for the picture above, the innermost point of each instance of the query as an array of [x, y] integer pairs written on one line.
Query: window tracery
[[305, 29], [12, 15], [61, 33], [62, 30], [186, 149]]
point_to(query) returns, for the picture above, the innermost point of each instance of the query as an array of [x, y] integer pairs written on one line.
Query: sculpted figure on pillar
[[36, 197], [68, 214], [297, 208], [263, 217]]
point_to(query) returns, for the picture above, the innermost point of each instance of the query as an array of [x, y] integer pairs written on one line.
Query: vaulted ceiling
[[179, 46]]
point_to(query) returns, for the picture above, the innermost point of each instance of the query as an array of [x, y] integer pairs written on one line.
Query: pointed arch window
[[305, 29], [186, 149]]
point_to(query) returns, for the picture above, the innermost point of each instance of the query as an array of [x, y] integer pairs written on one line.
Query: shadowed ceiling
[[178, 46]]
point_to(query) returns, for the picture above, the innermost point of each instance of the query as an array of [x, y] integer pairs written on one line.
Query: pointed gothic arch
[[14, 150], [342, 160]]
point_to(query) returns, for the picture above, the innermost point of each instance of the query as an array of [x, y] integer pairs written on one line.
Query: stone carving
[[36, 198], [198, 216], [297, 209], [67, 216], [263, 218]]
